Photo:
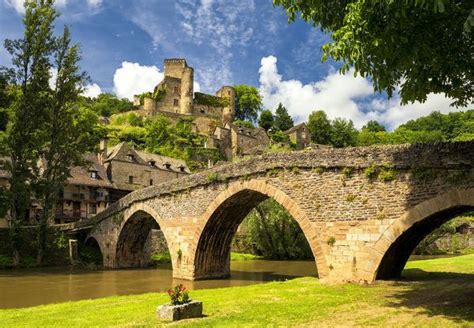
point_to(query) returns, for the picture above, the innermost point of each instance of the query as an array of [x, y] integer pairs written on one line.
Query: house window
[[202, 110], [175, 102], [151, 182], [93, 174], [176, 90], [130, 157], [92, 208], [151, 163], [181, 168], [168, 166], [130, 179], [228, 92]]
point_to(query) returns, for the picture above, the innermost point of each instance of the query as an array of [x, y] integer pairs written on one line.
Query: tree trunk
[[13, 235], [42, 233], [16, 258]]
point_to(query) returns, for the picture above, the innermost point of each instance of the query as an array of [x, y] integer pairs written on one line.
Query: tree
[[30, 59], [275, 234], [419, 46], [244, 124], [67, 134], [449, 125], [319, 127], [343, 133], [279, 136], [248, 103], [107, 104], [367, 138], [59, 131], [283, 120], [373, 126], [168, 139], [266, 120]]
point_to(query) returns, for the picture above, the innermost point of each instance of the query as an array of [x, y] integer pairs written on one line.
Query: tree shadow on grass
[[437, 294]]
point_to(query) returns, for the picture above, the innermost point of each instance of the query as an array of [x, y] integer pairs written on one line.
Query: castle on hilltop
[[212, 115], [175, 97]]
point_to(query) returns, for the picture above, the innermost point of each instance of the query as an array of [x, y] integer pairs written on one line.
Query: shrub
[[210, 100], [424, 174], [350, 197], [178, 295], [161, 257], [347, 172], [371, 172], [387, 174], [295, 169], [5, 262], [272, 172], [318, 170], [331, 241], [213, 177]]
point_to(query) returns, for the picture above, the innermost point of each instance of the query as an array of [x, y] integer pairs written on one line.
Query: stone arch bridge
[[362, 210]]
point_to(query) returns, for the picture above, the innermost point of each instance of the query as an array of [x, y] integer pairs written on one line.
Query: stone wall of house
[[352, 204], [143, 175]]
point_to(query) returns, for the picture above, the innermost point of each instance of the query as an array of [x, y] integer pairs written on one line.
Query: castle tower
[[178, 68], [228, 112], [174, 67], [187, 81]]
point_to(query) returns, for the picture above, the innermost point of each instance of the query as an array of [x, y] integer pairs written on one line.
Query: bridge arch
[[220, 221], [138, 222], [391, 252], [93, 243]]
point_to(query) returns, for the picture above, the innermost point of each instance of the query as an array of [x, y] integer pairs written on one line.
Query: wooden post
[[73, 252]]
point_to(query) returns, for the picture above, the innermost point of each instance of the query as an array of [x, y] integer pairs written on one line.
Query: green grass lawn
[[243, 257], [426, 297]]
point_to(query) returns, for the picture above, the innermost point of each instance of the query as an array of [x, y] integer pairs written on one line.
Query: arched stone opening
[[212, 255], [397, 255], [90, 252], [137, 240]]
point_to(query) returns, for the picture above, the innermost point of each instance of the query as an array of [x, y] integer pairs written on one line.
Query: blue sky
[[227, 42]]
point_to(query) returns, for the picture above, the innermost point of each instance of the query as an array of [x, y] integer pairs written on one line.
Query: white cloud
[[341, 96], [393, 114], [219, 25], [18, 4], [92, 90], [196, 87], [94, 3], [132, 79]]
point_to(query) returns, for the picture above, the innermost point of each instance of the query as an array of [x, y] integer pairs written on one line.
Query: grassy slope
[[433, 300]]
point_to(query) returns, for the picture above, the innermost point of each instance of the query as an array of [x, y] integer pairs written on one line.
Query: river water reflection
[[25, 288], [42, 286]]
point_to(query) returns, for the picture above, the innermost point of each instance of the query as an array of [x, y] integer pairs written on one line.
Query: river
[[31, 287]]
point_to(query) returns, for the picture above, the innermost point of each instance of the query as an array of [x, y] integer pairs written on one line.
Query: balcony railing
[[73, 214], [82, 196]]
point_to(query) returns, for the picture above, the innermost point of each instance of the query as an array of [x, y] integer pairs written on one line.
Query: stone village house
[[108, 176]]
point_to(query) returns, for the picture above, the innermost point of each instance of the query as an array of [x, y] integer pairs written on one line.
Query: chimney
[[102, 151]]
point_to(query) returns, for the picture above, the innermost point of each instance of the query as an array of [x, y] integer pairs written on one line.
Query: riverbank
[[422, 298]]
